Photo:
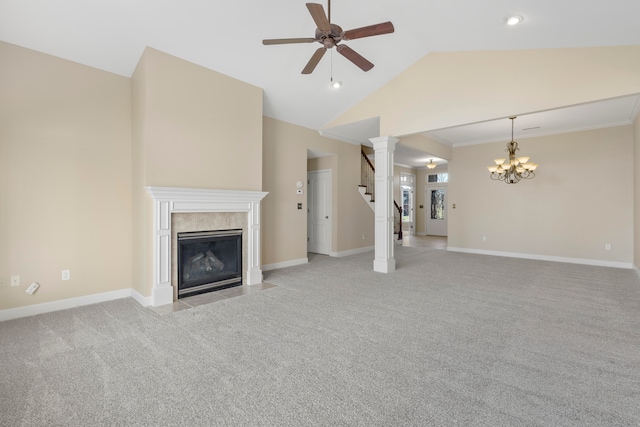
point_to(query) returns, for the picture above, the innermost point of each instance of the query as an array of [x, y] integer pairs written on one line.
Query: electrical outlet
[[484, 238], [66, 274], [32, 288], [364, 236], [15, 280], [607, 246]]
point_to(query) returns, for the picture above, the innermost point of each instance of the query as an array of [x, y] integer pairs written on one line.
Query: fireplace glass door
[[209, 261]]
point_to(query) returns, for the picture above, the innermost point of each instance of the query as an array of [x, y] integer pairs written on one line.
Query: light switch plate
[[32, 288]]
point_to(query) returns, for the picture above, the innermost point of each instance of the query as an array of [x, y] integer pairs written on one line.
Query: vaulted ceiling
[[226, 36]]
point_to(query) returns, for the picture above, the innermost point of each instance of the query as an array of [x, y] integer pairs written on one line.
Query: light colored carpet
[[448, 339]]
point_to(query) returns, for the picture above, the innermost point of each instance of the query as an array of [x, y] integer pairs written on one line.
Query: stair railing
[[368, 180], [367, 176]]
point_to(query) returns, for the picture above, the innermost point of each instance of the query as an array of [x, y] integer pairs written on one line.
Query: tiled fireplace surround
[[178, 210]]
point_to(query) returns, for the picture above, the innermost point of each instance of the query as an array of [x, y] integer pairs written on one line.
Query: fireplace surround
[[168, 201]]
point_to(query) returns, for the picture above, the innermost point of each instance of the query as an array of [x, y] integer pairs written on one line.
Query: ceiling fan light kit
[[329, 35]]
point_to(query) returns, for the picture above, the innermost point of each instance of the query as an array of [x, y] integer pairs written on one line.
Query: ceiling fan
[[329, 35]]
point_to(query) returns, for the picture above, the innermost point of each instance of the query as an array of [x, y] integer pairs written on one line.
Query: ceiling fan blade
[[287, 41], [311, 65], [319, 17], [354, 57], [371, 30]]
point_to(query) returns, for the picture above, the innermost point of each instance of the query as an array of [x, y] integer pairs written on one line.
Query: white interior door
[[319, 213], [436, 198]]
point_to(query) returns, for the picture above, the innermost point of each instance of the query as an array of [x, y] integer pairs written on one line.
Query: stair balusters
[[368, 180]]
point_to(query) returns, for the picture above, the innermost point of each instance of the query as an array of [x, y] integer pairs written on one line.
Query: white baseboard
[[47, 307], [141, 299], [584, 261], [636, 269], [421, 233], [352, 251], [284, 264]]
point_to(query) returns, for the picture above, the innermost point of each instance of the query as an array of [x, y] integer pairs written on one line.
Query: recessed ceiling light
[[514, 19]]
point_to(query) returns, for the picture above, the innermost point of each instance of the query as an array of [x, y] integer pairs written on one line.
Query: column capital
[[384, 142]]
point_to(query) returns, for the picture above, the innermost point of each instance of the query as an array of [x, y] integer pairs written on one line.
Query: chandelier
[[431, 165], [514, 169]]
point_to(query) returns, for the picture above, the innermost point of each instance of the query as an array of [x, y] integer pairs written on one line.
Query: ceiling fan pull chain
[[331, 66]]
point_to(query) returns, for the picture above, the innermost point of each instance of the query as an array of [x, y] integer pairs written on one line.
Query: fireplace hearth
[[209, 261]]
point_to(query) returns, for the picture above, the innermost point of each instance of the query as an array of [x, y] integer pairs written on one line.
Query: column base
[[162, 295], [384, 266], [254, 276]]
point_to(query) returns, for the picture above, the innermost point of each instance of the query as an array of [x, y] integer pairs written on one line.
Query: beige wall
[[65, 178], [450, 88], [580, 199], [322, 163], [192, 128], [142, 232], [428, 145], [284, 227], [636, 180], [202, 129]]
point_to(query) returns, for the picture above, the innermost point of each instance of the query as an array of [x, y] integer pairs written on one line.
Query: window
[[436, 178], [406, 178], [407, 183], [406, 204], [437, 204]]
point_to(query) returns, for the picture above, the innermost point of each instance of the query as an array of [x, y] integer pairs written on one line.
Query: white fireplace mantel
[[169, 200]]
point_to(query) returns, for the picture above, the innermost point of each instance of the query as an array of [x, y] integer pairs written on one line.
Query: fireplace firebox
[[209, 261]]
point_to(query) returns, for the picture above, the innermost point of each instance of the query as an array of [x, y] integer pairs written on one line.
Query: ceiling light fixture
[[514, 169], [335, 85], [514, 19], [431, 165]]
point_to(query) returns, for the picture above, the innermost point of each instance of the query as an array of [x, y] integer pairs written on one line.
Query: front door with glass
[[437, 211]]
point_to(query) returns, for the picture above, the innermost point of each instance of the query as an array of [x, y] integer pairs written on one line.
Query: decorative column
[[384, 146]]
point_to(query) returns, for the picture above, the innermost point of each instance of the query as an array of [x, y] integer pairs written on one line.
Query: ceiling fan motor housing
[[331, 39]]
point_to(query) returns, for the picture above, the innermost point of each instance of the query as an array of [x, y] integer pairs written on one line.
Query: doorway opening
[[407, 195], [319, 211], [436, 198]]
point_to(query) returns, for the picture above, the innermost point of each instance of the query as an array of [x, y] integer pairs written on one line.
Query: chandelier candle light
[[514, 169]]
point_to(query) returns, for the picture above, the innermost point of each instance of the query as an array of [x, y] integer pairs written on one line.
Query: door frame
[[427, 213], [328, 174], [412, 203]]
